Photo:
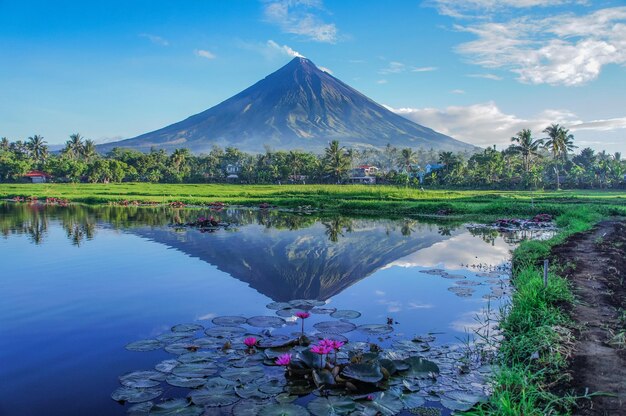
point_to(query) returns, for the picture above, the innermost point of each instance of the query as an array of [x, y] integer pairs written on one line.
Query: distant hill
[[297, 107]]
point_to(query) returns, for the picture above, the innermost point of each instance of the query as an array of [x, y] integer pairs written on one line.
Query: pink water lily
[[250, 342], [321, 349], [284, 359], [330, 343]]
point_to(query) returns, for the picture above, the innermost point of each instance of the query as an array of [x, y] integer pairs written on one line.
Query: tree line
[[551, 161]]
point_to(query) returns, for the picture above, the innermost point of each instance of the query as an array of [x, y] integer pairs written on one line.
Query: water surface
[[79, 283]]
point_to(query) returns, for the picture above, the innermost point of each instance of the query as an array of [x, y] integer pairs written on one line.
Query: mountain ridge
[[299, 106]]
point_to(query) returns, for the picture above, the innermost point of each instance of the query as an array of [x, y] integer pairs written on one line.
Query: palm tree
[[4, 144], [295, 164], [37, 147], [406, 159], [74, 146], [89, 151], [558, 142], [336, 160], [527, 146]]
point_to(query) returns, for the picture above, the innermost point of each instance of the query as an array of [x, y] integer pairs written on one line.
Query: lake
[[80, 283]]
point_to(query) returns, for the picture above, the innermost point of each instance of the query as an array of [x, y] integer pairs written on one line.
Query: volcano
[[297, 107]]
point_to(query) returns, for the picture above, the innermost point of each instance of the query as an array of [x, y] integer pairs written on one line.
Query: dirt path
[[595, 263]]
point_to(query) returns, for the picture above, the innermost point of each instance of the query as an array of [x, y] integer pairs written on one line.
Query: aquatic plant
[[234, 364]]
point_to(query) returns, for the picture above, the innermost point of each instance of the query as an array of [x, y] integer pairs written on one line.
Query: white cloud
[[157, 40], [475, 8], [562, 49], [424, 69], [394, 67], [493, 77], [297, 17], [284, 49], [204, 54], [457, 92], [323, 68], [382, 81], [485, 124]]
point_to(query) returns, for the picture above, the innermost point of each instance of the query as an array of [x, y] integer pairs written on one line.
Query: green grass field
[[339, 198]]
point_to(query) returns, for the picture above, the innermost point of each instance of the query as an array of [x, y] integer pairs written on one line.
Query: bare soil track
[[595, 264]]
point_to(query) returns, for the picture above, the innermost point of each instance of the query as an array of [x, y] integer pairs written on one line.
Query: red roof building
[[37, 176]]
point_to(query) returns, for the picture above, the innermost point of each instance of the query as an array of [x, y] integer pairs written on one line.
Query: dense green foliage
[[528, 163]]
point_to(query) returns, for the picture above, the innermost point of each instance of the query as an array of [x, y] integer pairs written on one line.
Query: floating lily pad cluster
[[262, 365], [498, 283]]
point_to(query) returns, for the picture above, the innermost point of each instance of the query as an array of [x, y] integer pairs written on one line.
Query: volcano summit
[[297, 107]]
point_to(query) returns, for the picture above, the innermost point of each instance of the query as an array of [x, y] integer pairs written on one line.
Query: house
[[363, 174], [232, 171], [428, 169], [369, 170], [36, 176]]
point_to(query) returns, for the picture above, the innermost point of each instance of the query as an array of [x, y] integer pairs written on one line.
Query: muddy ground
[[595, 263]]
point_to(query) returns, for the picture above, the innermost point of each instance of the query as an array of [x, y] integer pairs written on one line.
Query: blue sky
[[479, 70]]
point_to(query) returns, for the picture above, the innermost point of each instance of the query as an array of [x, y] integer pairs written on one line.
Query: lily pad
[[195, 370], [367, 372], [197, 357], [225, 331], [323, 310], [249, 407], [144, 345], [463, 292], [229, 320], [136, 395], [306, 303], [186, 382], [419, 367], [266, 321], [345, 314], [182, 347], [375, 329], [272, 386], [176, 407], [434, 272], [331, 406], [244, 374], [140, 409], [334, 327], [169, 337], [187, 328], [142, 379], [278, 305], [275, 341], [461, 400], [166, 366], [331, 336], [385, 403], [283, 409], [213, 397], [409, 400], [251, 391]]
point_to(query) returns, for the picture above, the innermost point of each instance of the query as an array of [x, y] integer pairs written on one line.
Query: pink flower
[[303, 315], [321, 349], [284, 359], [332, 344], [250, 341], [337, 344], [326, 343], [370, 397]]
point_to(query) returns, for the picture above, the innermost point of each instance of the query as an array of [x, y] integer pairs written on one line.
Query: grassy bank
[[342, 199], [537, 330]]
